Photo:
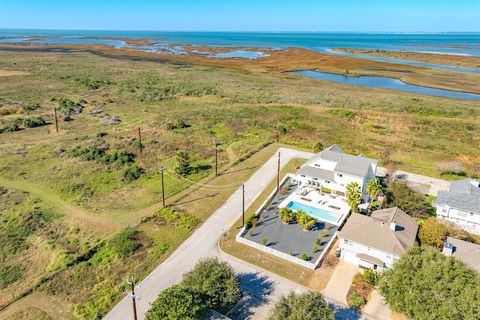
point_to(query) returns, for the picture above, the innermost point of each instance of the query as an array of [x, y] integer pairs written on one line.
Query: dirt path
[[73, 215]]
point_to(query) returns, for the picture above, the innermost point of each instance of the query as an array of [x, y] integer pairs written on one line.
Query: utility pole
[[163, 187], [278, 172], [215, 146], [243, 205], [140, 140], [56, 119], [135, 297]]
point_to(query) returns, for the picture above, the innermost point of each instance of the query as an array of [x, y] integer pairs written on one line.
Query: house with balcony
[[460, 204], [332, 169], [377, 241]]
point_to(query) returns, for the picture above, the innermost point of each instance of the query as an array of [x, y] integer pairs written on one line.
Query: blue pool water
[[314, 212], [387, 83]]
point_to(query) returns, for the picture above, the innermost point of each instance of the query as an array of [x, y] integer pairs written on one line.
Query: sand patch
[[8, 73]]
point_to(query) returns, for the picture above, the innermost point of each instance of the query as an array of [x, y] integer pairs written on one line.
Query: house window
[[345, 241], [303, 175], [315, 179], [368, 248]]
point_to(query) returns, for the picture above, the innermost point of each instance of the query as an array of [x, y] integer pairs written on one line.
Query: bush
[[133, 172], [317, 147], [10, 128], [304, 257], [294, 306], [183, 163], [125, 242], [177, 302], [424, 284], [10, 274], [356, 300], [433, 233], [413, 203], [216, 282], [33, 122], [251, 222]]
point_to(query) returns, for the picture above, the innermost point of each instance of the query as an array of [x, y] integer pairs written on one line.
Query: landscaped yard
[[290, 239]]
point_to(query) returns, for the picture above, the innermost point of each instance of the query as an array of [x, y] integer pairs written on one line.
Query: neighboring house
[[334, 169], [467, 252], [460, 204], [376, 242]]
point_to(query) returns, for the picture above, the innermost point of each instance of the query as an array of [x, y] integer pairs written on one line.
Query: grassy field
[[80, 209]]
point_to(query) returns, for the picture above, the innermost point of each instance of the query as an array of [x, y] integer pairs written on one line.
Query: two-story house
[[460, 204], [376, 242], [467, 252], [334, 169]]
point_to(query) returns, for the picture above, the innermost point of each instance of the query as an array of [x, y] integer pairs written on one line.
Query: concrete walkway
[[203, 242], [339, 284]]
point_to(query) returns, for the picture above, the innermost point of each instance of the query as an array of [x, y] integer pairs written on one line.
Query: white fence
[[303, 263]]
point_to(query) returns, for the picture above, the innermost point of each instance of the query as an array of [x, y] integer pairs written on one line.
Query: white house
[[376, 242], [467, 252], [334, 169], [460, 204]]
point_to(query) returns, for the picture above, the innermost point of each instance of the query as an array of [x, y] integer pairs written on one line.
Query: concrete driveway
[[339, 284]]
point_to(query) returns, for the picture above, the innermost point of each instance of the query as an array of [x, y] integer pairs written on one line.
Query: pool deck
[[335, 205], [289, 239]]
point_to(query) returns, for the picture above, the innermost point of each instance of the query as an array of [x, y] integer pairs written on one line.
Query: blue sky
[[244, 15]]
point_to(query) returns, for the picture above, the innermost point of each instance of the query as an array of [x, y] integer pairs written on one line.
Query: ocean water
[[456, 43]]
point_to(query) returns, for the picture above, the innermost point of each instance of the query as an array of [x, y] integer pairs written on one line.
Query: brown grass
[[10, 73]]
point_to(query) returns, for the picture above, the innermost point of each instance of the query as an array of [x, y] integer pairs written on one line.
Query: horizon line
[[249, 31]]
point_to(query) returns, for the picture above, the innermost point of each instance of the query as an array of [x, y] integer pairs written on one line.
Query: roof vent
[[393, 226], [448, 249]]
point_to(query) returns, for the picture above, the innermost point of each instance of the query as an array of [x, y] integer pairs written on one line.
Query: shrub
[[183, 163], [317, 147], [264, 241], [33, 122], [250, 222], [177, 302], [355, 300], [304, 257], [294, 306], [315, 248], [433, 233], [125, 242], [286, 215], [10, 274], [424, 284], [216, 282], [133, 172], [10, 128], [413, 203]]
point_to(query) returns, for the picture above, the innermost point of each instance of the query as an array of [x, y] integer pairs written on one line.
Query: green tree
[[183, 163], [354, 195], [216, 282], [413, 203], [286, 215], [433, 233], [426, 285], [373, 188], [178, 303], [294, 306]]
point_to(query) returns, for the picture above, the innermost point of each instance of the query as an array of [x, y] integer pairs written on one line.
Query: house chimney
[[448, 249], [393, 226]]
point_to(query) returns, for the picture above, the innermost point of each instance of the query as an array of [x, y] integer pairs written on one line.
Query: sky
[[244, 15]]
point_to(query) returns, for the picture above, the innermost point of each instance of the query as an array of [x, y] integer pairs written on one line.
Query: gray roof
[[317, 173], [467, 252], [375, 231], [346, 163], [462, 195]]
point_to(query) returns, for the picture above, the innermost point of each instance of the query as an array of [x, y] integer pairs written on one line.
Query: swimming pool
[[314, 212]]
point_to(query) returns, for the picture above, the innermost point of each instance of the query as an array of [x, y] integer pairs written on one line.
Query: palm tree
[[354, 195], [286, 215], [373, 188]]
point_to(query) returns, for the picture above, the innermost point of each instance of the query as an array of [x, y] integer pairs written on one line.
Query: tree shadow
[[211, 195], [345, 313], [238, 170], [256, 290]]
